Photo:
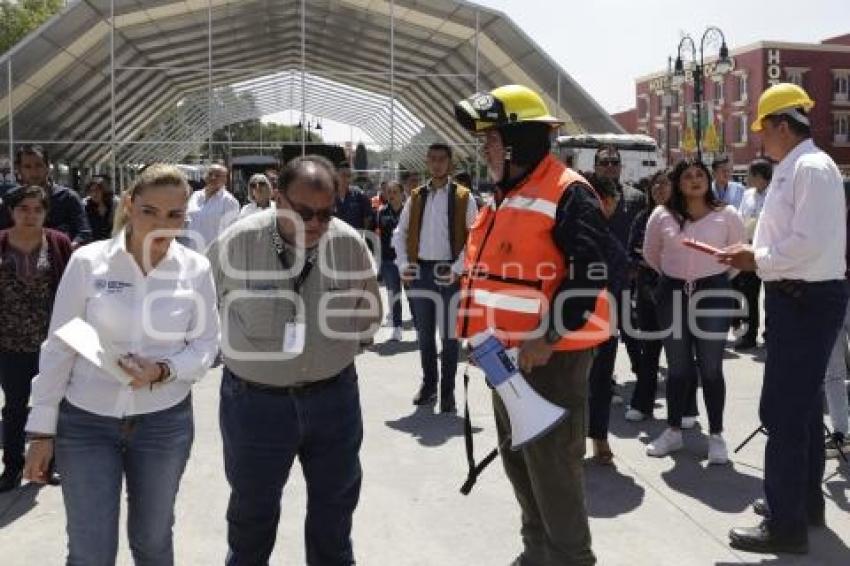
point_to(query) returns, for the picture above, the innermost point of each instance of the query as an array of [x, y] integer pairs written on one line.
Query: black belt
[[300, 389], [796, 287]]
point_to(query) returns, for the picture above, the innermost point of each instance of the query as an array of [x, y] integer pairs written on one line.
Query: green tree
[[20, 18]]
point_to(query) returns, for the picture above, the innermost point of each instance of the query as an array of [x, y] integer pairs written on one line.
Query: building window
[[643, 107], [661, 137], [674, 102], [741, 127], [659, 105], [674, 137], [719, 91], [840, 128], [741, 87], [794, 76], [840, 86]]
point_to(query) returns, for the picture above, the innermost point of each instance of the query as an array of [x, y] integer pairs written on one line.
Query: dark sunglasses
[[307, 214], [608, 162]]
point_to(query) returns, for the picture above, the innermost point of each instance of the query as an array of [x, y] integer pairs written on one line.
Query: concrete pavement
[[653, 512]]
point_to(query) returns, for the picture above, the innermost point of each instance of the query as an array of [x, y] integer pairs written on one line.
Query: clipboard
[[82, 337]]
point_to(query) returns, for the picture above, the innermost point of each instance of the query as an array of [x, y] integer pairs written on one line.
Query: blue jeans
[[95, 454], [263, 432], [688, 352], [803, 322], [392, 279], [429, 315]]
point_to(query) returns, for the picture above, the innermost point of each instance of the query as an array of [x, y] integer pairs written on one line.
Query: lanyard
[[280, 251]]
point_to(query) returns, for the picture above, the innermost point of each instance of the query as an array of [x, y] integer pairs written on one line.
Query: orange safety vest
[[513, 268]]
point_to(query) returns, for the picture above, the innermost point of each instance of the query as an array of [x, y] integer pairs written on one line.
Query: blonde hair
[[155, 175]]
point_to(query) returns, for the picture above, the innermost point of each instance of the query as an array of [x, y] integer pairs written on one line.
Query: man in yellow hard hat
[[798, 251], [534, 273]]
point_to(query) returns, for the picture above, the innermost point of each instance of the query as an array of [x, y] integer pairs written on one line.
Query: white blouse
[[169, 314]]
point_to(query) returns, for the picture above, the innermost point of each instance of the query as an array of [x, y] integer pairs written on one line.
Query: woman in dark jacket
[[32, 260], [100, 204]]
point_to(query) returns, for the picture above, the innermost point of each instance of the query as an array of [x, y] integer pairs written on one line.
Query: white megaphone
[[531, 415]]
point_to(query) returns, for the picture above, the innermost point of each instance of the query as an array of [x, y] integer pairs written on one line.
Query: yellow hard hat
[[505, 105], [779, 97]]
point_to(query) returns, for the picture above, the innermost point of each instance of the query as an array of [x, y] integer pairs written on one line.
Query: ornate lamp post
[[721, 68]]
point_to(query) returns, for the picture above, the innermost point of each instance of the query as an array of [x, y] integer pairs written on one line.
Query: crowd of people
[[284, 294]]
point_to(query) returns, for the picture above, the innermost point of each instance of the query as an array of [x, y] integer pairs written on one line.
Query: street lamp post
[[721, 67]]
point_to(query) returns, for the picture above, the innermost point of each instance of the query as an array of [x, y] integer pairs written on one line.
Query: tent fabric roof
[[392, 68]]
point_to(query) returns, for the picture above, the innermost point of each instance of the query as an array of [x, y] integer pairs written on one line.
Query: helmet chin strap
[[506, 169]]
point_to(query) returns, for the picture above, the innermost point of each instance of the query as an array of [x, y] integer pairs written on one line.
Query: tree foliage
[[20, 18]]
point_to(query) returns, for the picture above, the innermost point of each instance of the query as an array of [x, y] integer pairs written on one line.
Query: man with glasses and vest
[[798, 250], [298, 292], [535, 276], [428, 242]]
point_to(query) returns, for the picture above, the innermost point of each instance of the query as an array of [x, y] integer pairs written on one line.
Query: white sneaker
[[717, 453], [669, 441], [396, 335], [634, 415], [689, 422]]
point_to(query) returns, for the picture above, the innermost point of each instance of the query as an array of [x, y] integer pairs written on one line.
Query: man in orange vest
[[535, 275]]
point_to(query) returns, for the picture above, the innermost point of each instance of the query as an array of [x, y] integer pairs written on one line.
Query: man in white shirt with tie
[[429, 241], [724, 187], [210, 210], [798, 251]]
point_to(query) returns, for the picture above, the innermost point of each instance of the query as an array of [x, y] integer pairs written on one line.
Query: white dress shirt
[[731, 194], [252, 207], [801, 233], [751, 206], [434, 244], [208, 217], [169, 315]]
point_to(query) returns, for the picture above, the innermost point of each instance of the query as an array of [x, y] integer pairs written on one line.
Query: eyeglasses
[[608, 162], [307, 214]]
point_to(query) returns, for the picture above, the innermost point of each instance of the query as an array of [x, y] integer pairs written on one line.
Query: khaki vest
[[458, 201]]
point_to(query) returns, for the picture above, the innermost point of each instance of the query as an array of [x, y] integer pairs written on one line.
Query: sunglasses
[[307, 214], [608, 162]]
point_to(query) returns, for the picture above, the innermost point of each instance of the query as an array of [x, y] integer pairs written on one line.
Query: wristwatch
[[551, 336], [167, 374]]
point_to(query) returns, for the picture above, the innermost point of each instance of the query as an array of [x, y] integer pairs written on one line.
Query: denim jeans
[[263, 432], [803, 324], [688, 353], [17, 370], [95, 454], [835, 380], [392, 279], [431, 313]]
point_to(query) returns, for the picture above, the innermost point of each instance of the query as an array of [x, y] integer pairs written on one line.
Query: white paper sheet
[[84, 339]]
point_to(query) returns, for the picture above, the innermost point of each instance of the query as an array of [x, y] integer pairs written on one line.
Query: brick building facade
[[823, 69]]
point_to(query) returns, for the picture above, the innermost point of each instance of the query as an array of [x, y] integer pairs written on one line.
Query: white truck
[[639, 153]]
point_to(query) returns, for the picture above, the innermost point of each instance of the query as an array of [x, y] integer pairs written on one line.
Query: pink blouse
[[663, 249]]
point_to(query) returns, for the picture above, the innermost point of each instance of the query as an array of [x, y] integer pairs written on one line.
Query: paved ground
[[672, 511]]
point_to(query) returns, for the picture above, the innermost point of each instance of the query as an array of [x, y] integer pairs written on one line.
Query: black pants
[[17, 369], [749, 284], [600, 389], [643, 398], [804, 321]]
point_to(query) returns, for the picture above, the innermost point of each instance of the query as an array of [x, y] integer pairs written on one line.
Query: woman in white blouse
[[153, 301], [692, 280]]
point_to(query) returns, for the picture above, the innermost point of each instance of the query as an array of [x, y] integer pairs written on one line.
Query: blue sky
[[605, 44]]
